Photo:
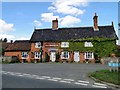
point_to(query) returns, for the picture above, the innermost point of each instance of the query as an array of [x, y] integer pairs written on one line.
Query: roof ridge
[[71, 27]]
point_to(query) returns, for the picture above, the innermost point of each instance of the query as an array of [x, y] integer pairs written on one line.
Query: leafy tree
[[5, 40]]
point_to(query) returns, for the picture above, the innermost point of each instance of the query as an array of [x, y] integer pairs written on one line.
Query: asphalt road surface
[[50, 75], [22, 82]]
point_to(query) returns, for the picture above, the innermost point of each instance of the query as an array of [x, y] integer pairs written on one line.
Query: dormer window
[[88, 44], [38, 45], [64, 44]]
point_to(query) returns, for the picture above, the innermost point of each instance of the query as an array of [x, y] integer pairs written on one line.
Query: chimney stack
[[55, 24], [112, 23], [95, 21]]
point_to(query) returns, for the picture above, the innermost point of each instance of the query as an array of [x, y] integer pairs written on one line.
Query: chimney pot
[[112, 23]]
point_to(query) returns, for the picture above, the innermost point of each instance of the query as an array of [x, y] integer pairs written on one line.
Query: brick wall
[[18, 54]]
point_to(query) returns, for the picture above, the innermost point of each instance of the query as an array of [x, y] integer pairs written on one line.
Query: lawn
[[107, 76]]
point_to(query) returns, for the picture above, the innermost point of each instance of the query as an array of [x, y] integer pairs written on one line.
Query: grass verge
[[107, 76]]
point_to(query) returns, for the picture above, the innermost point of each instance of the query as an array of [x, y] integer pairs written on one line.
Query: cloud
[[71, 7], [37, 23], [48, 17], [5, 27], [6, 36], [23, 38], [69, 21]]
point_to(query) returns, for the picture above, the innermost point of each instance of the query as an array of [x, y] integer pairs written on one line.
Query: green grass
[[107, 76]]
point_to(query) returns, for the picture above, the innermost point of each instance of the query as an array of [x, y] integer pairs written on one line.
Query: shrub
[[47, 57], [57, 57]]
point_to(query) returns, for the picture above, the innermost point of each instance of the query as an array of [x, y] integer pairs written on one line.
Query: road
[[50, 75], [23, 82]]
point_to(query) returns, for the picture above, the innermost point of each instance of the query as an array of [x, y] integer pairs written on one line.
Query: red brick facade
[[47, 47]]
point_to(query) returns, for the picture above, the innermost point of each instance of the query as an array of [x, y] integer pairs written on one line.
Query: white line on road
[[99, 86], [52, 80], [34, 75], [5, 73], [65, 81], [39, 78], [12, 74], [68, 79], [81, 83], [56, 78], [20, 75], [45, 77], [26, 74]]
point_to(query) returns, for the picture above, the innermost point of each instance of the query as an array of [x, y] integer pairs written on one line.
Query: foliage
[[107, 76], [47, 57], [57, 57], [5, 40], [101, 47], [117, 52]]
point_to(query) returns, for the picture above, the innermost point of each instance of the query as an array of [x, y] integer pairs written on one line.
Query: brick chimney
[[55, 24], [95, 21]]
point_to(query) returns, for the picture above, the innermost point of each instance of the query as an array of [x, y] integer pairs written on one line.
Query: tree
[[5, 40]]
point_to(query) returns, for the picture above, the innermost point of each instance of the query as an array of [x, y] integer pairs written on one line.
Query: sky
[[20, 18]]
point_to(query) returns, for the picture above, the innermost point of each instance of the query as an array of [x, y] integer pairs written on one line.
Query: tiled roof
[[19, 45], [63, 34], [5, 45]]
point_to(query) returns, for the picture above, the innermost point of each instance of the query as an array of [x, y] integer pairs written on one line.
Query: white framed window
[[38, 45], [64, 44], [65, 55], [88, 44], [89, 55], [24, 55], [37, 55]]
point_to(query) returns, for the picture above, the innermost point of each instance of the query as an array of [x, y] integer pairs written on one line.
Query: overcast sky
[[19, 18]]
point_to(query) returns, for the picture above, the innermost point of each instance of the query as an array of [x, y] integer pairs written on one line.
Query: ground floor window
[[89, 55], [65, 55], [37, 55], [24, 55]]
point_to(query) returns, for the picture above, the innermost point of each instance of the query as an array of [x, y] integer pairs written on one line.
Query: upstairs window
[[64, 44], [65, 55], [88, 44], [24, 54], [89, 55], [38, 45]]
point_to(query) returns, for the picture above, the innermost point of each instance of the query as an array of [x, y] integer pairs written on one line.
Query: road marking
[[56, 78], [5, 73], [68, 79], [39, 78], [26, 74], [99, 86], [45, 77], [65, 81], [20, 75], [12, 74], [81, 83], [52, 79], [34, 75]]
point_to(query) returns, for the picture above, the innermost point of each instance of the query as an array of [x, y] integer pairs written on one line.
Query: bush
[[97, 61], [47, 57], [57, 57]]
